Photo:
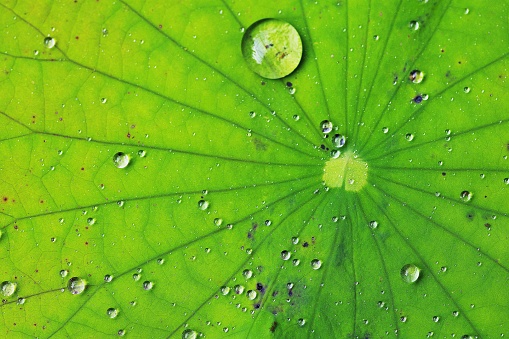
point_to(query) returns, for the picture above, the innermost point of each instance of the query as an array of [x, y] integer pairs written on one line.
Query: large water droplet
[[189, 334], [466, 196], [251, 294], [8, 288], [339, 140], [121, 160], [301, 322], [410, 273], [272, 48], [112, 312], [76, 285], [49, 42], [316, 264], [326, 126]]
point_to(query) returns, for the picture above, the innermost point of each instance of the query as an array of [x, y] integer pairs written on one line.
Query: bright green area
[[347, 170], [153, 185]]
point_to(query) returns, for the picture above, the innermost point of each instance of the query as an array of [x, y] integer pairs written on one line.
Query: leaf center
[[348, 170]]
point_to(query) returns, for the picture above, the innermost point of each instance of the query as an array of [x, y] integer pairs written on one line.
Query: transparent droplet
[[76, 285], [248, 274], [189, 334], [506, 181], [316, 264], [108, 278], [147, 285], [64, 273], [403, 319], [120, 203], [142, 153], [410, 273], [409, 137], [373, 224], [339, 140], [436, 318], [455, 313], [8, 288], [272, 48], [112, 312], [225, 290], [416, 76], [268, 222], [414, 25], [21, 301], [239, 289], [296, 117], [136, 276], [385, 130], [326, 126], [334, 154], [466, 196], [160, 261], [203, 204], [121, 160], [301, 322], [466, 89], [121, 333], [218, 221], [104, 100], [285, 255], [251, 294], [91, 221], [49, 42], [295, 262], [295, 240]]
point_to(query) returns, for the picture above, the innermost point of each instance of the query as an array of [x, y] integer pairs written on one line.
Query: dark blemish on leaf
[[160, 26], [5, 198], [289, 84], [488, 226], [313, 240], [290, 292], [259, 145], [275, 293], [255, 226], [418, 99], [263, 83], [470, 216], [442, 50], [260, 287], [83, 168], [257, 306], [444, 174], [249, 235], [273, 327], [77, 37], [305, 244]]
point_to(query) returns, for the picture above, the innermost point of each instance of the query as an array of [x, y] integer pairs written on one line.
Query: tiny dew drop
[[326, 126], [239, 289], [225, 290], [8, 288], [409, 137], [416, 76], [21, 301], [251, 294], [203, 204], [49, 42], [104, 100], [142, 153], [91, 221], [248, 274], [506, 181], [385, 130], [414, 25], [272, 48], [121, 333], [436, 319], [189, 334], [339, 140], [373, 224], [136, 276], [121, 160], [410, 273], [218, 221], [148, 285], [466, 196], [285, 255], [316, 264], [64, 273], [301, 322], [112, 312], [108, 278], [76, 285], [466, 89]]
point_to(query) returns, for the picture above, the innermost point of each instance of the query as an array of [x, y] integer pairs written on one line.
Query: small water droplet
[[251, 294], [385, 130], [455, 313], [189, 334], [218, 221], [142, 153], [64, 273], [373, 224], [466, 89], [466, 196], [76, 285], [268, 222], [316, 264], [203, 204], [296, 117], [248, 274], [409, 137], [104, 100], [21, 301], [272, 48], [416, 76], [121, 333], [91, 221], [108, 278], [120, 203], [225, 290], [49, 42], [105, 32], [339, 140], [403, 319], [376, 37], [410, 273], [326, 126], [8, 288], [121, 160], [36, 52], [506, 181], [112, 312], [295, 240], [239, 289], [414, 25], [467, 10], [436, 319], [295, 262], [285, 255], [136, 276], [147, 285], [301, 322]]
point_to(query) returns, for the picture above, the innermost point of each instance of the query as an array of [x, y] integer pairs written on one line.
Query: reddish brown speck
[[5, 199], [77, 37], [42, 201], [83, 168], [86, 243]]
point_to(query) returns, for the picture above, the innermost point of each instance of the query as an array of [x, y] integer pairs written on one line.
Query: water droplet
[[326, 126], [301, 322], [239, 289], [108, 278], [373, 224], [285, 255], [252, 114], [268, 222], [292, 90], [225, 290], [467, 10], [466, 89], [272, 48], [248, 274], [218, 221], [121, 160], [104, 100], [410, 273], [381, 304], [316, 264], [506, 181], [21, 301], [64, 273], [160, 261], [295, 240], [455, 313], [251, 294], [385, 130], [112, 312], [142, 153], [296, 117], [76, 285], [339, 140], [436, 319], [49, 42], [203, 204], [414, 25], [409, 137], [91, 221], [403, 319], [443, 269], [121, 333], [8, 288], [416, 76], [189, 334], [120, 203], [295, 262], [376, 37], [466, 196], [147, 285]]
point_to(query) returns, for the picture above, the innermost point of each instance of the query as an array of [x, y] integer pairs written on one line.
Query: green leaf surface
[[232, 217]]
